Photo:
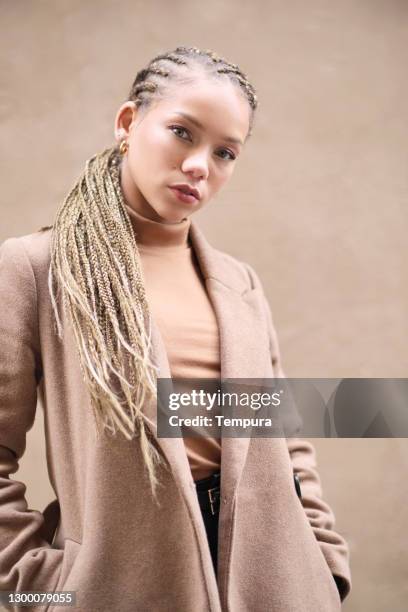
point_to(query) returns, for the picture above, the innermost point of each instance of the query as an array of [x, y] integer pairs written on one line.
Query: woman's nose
[[196, 165]]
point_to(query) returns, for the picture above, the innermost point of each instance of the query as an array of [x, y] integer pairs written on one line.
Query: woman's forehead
[[208, 102]]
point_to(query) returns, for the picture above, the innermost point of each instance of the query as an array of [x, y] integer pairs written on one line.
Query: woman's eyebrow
[[197, 123]]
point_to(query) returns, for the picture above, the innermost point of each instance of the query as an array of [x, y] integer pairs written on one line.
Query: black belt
[[209, 493]]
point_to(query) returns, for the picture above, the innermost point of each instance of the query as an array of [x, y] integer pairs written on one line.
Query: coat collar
[[244, 352], [217, 265]]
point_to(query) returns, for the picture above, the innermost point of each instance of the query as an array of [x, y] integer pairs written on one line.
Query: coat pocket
[[71, 551]]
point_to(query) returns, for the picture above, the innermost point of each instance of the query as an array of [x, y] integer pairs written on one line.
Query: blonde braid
[[95, 265]]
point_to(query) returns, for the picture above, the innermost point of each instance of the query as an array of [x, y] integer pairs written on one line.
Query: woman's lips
[[184, 197]]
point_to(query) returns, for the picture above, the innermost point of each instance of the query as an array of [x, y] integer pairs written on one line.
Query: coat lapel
[[244, 353]]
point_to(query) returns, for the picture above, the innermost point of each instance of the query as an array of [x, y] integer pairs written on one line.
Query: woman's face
[[191, 139]]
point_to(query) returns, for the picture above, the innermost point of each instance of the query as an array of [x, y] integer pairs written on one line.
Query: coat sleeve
[[303, 458], [27, 561]]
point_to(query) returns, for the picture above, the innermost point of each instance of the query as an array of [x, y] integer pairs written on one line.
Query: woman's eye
[[180, 132], [226, 154]]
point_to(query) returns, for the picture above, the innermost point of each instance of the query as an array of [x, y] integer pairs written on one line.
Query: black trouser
[[208, 492]]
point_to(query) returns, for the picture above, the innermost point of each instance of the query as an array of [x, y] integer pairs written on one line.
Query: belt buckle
[[213, 497]]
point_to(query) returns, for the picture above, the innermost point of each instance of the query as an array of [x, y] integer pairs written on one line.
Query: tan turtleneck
[[184, 314]]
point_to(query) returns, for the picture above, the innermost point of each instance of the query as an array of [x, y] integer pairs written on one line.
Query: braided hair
[[96, 269], [181, 65]]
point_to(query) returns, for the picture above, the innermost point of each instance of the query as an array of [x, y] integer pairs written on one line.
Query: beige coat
[[114, 546]]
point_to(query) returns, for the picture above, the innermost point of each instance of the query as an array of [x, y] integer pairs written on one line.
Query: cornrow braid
[[176, 65], [160, 71], [243, 81], [146, 86], [170, 57]]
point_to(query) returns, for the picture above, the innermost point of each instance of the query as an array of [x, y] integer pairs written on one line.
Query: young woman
[[122, 290]]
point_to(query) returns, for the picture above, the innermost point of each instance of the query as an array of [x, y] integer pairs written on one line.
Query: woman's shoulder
[[35, 244], [27, 254]]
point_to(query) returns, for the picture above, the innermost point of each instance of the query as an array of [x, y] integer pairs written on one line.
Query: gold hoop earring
[[123, 147]]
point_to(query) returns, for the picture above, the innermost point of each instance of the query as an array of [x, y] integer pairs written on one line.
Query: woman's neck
[[150, 233]]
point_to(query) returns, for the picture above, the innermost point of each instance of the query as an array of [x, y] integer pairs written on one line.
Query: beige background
[[317, 204]]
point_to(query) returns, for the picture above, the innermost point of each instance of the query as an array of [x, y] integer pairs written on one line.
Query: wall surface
[[318, 202]]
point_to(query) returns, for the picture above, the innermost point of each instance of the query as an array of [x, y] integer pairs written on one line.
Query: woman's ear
[[125, 117]]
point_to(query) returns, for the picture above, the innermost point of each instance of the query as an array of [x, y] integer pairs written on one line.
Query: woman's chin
[[171, 216]]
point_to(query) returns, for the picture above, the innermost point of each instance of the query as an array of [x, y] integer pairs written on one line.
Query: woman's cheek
[[219, 180], [161, 138]]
